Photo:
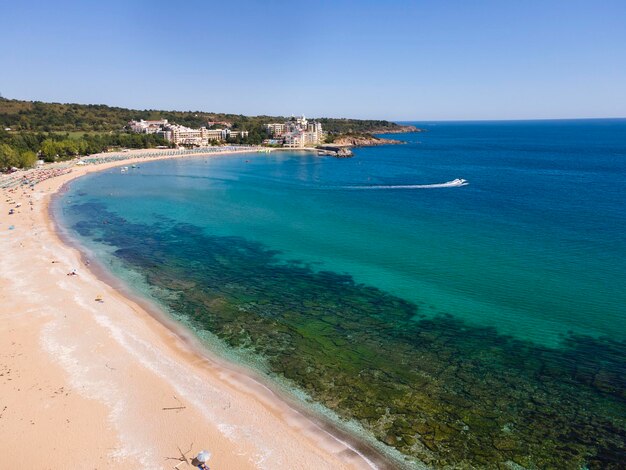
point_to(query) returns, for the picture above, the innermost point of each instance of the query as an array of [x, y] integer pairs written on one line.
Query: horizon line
[[609, 118]]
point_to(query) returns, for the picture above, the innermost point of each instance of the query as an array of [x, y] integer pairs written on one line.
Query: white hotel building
[[297, 132], [181, 135]]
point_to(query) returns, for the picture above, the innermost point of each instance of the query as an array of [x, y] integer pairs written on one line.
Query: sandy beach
[[90, 384]]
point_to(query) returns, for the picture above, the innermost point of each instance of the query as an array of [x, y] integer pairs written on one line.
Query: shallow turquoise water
[[532, 250], [534, 245]]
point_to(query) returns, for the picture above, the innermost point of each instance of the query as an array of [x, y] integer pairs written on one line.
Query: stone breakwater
[[335, 151]]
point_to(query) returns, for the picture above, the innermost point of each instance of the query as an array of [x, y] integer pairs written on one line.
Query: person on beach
[[200, 460]]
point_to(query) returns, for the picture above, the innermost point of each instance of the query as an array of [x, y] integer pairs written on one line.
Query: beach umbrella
[[203, 457]]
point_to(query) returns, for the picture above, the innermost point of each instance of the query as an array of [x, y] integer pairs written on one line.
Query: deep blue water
[[534, 248]]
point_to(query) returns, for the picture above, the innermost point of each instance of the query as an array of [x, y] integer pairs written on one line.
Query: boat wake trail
[[449, 184]]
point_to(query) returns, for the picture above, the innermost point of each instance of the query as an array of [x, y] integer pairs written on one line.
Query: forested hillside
[[55, 117]]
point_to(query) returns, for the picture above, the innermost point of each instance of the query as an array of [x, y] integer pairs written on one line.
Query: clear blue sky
[[422, 60]]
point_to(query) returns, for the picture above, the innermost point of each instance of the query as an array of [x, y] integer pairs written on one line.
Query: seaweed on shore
[[435, 388]]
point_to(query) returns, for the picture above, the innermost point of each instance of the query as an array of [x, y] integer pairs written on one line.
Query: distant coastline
[[55, 132]]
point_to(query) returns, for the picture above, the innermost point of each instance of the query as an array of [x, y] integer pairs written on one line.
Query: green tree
[[27, 159], [49, 150], [8, 157]]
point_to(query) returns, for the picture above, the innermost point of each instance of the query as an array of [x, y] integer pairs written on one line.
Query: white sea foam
[[448, 184]]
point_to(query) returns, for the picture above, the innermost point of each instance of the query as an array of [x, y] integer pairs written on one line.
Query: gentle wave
[[448, 184]]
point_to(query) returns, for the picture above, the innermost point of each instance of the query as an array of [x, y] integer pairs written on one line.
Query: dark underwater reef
[[435, 388]]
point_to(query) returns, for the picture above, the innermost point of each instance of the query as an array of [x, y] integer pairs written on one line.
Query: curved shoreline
[[334, 447]]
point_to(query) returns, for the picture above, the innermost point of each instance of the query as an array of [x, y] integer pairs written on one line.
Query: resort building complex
[[181, 135], [295, 133], [147, 127]]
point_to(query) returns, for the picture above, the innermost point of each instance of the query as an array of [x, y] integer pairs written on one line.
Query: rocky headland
[[342, 144], [398, 129], [363, 140], [339, 145]]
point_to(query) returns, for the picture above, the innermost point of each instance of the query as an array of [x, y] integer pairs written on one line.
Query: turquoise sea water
[[488, 315]]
